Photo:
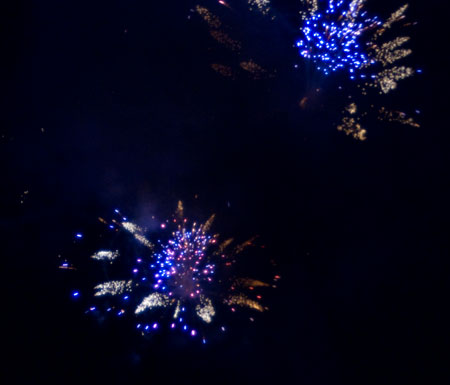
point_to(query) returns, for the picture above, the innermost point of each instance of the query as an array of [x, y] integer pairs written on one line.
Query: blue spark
[[331, 39]]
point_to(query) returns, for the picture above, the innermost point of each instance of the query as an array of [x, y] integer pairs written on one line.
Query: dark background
[[134, 118]]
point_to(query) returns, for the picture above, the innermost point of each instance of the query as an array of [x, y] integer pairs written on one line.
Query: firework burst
[[181, 281], [340, 35], [331, 39], [362, 57], [344, 36]]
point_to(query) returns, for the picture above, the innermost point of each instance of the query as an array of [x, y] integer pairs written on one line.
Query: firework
[[152, 301], [332, 39], [230, 39], [212, 20], [351, 125], [387, 80], [310, 8], [255, 69], [23, 196], [225, 39], [113, 287], [137, 232], [340, 35], [262, 6], [105, 255], [397, 116], [184, 277], [224, 70]]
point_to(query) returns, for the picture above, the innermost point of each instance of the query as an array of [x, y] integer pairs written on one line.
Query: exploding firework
[[182, 281], [340, 35], [344, 36], [331, 40], [360, 57]]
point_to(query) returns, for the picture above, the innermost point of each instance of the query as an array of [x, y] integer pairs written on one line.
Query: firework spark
[[311, 7], [262, 6], [113, 287], [255, 69], [105, 255]]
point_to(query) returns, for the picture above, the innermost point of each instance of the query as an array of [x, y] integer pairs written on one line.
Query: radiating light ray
[[240, 248], [105, 255], [180, 210], [138, 233], [152, 301], [244, 301], [223, 70], [208, 223], [113, 287], [397, 116], [390, 52], [387, 80], [225, 39], [212, 20], [205, 309], [223, 246], [396, 16], [250, 282], [177, 310], [255, 69]]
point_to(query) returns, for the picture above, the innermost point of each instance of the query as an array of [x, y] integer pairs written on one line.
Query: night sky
[[114, 104]]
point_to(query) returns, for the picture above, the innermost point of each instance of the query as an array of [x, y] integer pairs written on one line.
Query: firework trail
[[180, 281]]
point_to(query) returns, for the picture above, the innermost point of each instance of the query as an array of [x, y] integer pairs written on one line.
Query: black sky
[[133, 117]]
